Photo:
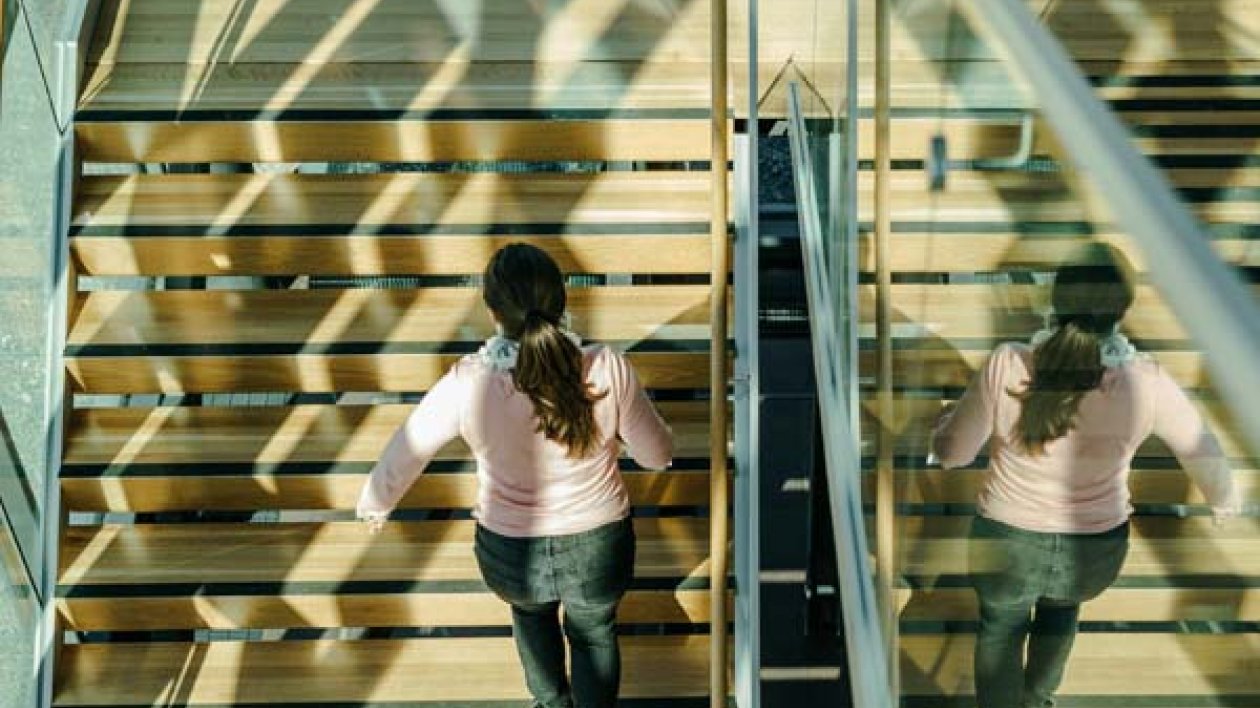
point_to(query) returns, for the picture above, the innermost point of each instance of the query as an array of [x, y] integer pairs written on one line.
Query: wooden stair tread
[[380, 254], [1159, 547], [954, 251], [320, 317], [1102, 664], [291, 608], [323, 434], [1148, 485], [339, 552], [191, 489], [1116, 604], [218, 204], [366, 671], [274, 89], [131, 141], [321, 373]]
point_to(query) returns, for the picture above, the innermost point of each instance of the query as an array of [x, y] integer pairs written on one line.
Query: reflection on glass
[[28, 178]]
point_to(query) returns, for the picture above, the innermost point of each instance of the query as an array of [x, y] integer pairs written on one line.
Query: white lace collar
[[1114, 350], [499, 353]]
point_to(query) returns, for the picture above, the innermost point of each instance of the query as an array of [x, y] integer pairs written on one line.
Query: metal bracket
[[938, 163]]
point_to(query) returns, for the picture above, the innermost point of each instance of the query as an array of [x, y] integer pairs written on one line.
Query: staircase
[[257, 308], [1180, 626]]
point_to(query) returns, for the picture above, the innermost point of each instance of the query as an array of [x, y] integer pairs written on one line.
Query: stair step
[[372, 255], [401, 203], [193, 486], [417, 672], [1148, 484], [374, 320], [1117, 604], [137, 372], [263, 439], [1203, 670], [123, 139], [931, 547], [331, 552], [316, 606]]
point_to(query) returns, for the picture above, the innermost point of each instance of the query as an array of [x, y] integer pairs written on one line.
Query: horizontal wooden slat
[[392, 140], [913, 417], [217, 204], [961, 252], [317, 373], [187, 490], [1158, 547], [154, 554], [1117, 604], [315, 318], [1148, 486], [358, 672], [271, 436], [380, 255], [1002, 312], [1198, 666], [290, 610]]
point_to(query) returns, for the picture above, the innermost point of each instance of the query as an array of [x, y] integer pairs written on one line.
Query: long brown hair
[[524, 288], [1091, 294]]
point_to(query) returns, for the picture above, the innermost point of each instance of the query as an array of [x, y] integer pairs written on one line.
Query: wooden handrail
[[885, 488], [719, 527]]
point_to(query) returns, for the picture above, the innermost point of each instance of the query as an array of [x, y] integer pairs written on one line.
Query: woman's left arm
[[433, 423], [963, 428]]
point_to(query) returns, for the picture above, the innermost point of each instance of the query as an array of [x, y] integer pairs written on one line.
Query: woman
[[542, 415], [1064, 417]]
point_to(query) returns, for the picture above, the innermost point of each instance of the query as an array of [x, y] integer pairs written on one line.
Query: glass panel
[[28, 178], [975, 265], [18, 617]]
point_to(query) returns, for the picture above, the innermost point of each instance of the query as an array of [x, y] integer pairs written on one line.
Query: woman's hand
[[375, 521]]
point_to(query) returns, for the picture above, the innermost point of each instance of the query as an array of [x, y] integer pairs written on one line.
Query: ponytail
[[525, 289], [1065, 368], [549, 371]]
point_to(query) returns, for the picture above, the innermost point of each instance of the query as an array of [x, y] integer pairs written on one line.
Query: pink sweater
[[528, 486], [1080, 484]]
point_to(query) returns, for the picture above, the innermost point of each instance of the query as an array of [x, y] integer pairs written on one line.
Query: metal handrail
[[1206, 295], [869, 674]]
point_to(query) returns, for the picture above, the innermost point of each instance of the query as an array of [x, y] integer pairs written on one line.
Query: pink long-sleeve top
[[528, 486], [1080, 483]]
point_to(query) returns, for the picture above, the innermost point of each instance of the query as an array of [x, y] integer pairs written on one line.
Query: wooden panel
[[301, 672], [370, 316], [1159, 547], [954, 252], [1104, 664], [153, 554], [949, 367], [380, 255], [1148, 486], [1118, 604], [393, 140], [429, 609], [270, 436], [913, 417], [469, 201], [273, 90], [317, 373], [187, 490], [315, 32]]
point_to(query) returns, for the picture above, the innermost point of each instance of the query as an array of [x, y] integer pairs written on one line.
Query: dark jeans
[[587, 573], [1030, 586]]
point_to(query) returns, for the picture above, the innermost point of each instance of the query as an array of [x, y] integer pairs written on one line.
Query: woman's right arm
[[1178, 423], [647, 437]]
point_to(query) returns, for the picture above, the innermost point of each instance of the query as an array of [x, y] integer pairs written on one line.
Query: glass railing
[[1006, 165], [34, 118]]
